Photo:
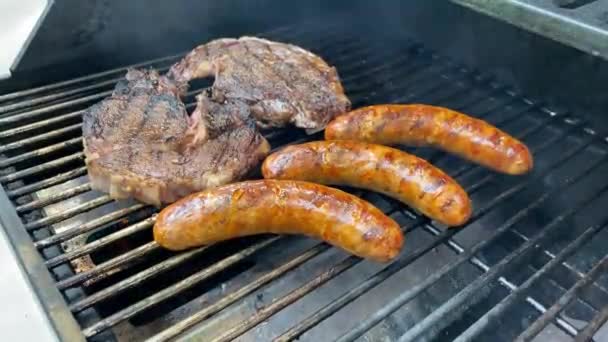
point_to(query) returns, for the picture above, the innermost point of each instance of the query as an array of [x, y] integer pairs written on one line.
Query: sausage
[[392, 172], [280, 207], [424, 125]]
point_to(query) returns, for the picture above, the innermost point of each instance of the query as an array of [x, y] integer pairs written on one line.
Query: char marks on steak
[[140, 142], [282, 83]]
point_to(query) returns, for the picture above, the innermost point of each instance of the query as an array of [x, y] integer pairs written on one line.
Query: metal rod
[[69, 213], [40, 152], [113, 290], [33, 91], [99, 243], [55, 96], [60, 178], [232, 297], [122, 69], [280, 304], [136, 279], [419, 69], [41, 137], [54, 198], [576, 273], [367, 285], [383, 66], [43, 123], [276, 306], [494, 314], [174, 289], [132, 257], [565, 326], [41, 168], [198, 317], [442, 316], [129, 282], [593, 326], [60, 118], [445, 236], [49, 109], [40, 124], [564, 300], [87, 227]]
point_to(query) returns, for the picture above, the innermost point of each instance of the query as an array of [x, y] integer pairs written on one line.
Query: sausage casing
[[280, 207], [390, 171], [424, 125]]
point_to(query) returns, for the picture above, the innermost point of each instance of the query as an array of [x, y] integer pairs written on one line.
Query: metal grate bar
[[418, 69], [98, 243], [565, 326], [36, 112], [40, 152], [114, 291], [431, 77], [568, 266], [420, 252], [417, 64], [79, 209], [89, 226], [446, 236], [59, 118], [55, 96], [41, 168], [352, 261], [50, 87], [41, 137], [60, 178], [494, 314], [541, 322], [200, 316], [594, 325], [131, 258], [129, 282], [278, 305], [396, 62], [77, 114], [39, 124], [36, 204], [240, 293], [168, 292], [456, 305], [136, 279], [122, 69], [51, 108]]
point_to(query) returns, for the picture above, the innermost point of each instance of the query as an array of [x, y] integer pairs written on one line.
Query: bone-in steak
[[281, 83], [140, 142]]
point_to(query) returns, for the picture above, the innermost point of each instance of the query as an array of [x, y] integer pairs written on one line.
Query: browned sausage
[[374, 167], [423, 125], [280, 207]]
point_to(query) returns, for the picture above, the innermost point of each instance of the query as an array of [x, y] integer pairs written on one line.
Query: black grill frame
[[419, 86]]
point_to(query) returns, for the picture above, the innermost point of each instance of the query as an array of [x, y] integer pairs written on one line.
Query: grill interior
[[532, 259]]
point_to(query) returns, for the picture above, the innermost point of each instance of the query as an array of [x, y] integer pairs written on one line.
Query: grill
[[531, 261]]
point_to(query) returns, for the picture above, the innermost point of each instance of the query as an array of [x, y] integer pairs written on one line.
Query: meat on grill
[[282, 83], [140, 142]]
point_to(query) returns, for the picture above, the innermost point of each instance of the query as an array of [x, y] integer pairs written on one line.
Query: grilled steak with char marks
[[140, 142], [282, 83]]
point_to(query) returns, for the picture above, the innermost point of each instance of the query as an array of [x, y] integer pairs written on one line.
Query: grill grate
[[527, 233]]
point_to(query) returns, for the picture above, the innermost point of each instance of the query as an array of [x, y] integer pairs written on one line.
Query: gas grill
[[531, 263]]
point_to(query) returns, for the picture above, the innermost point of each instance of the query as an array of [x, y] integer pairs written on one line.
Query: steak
[[140, 142], [282, 83]]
